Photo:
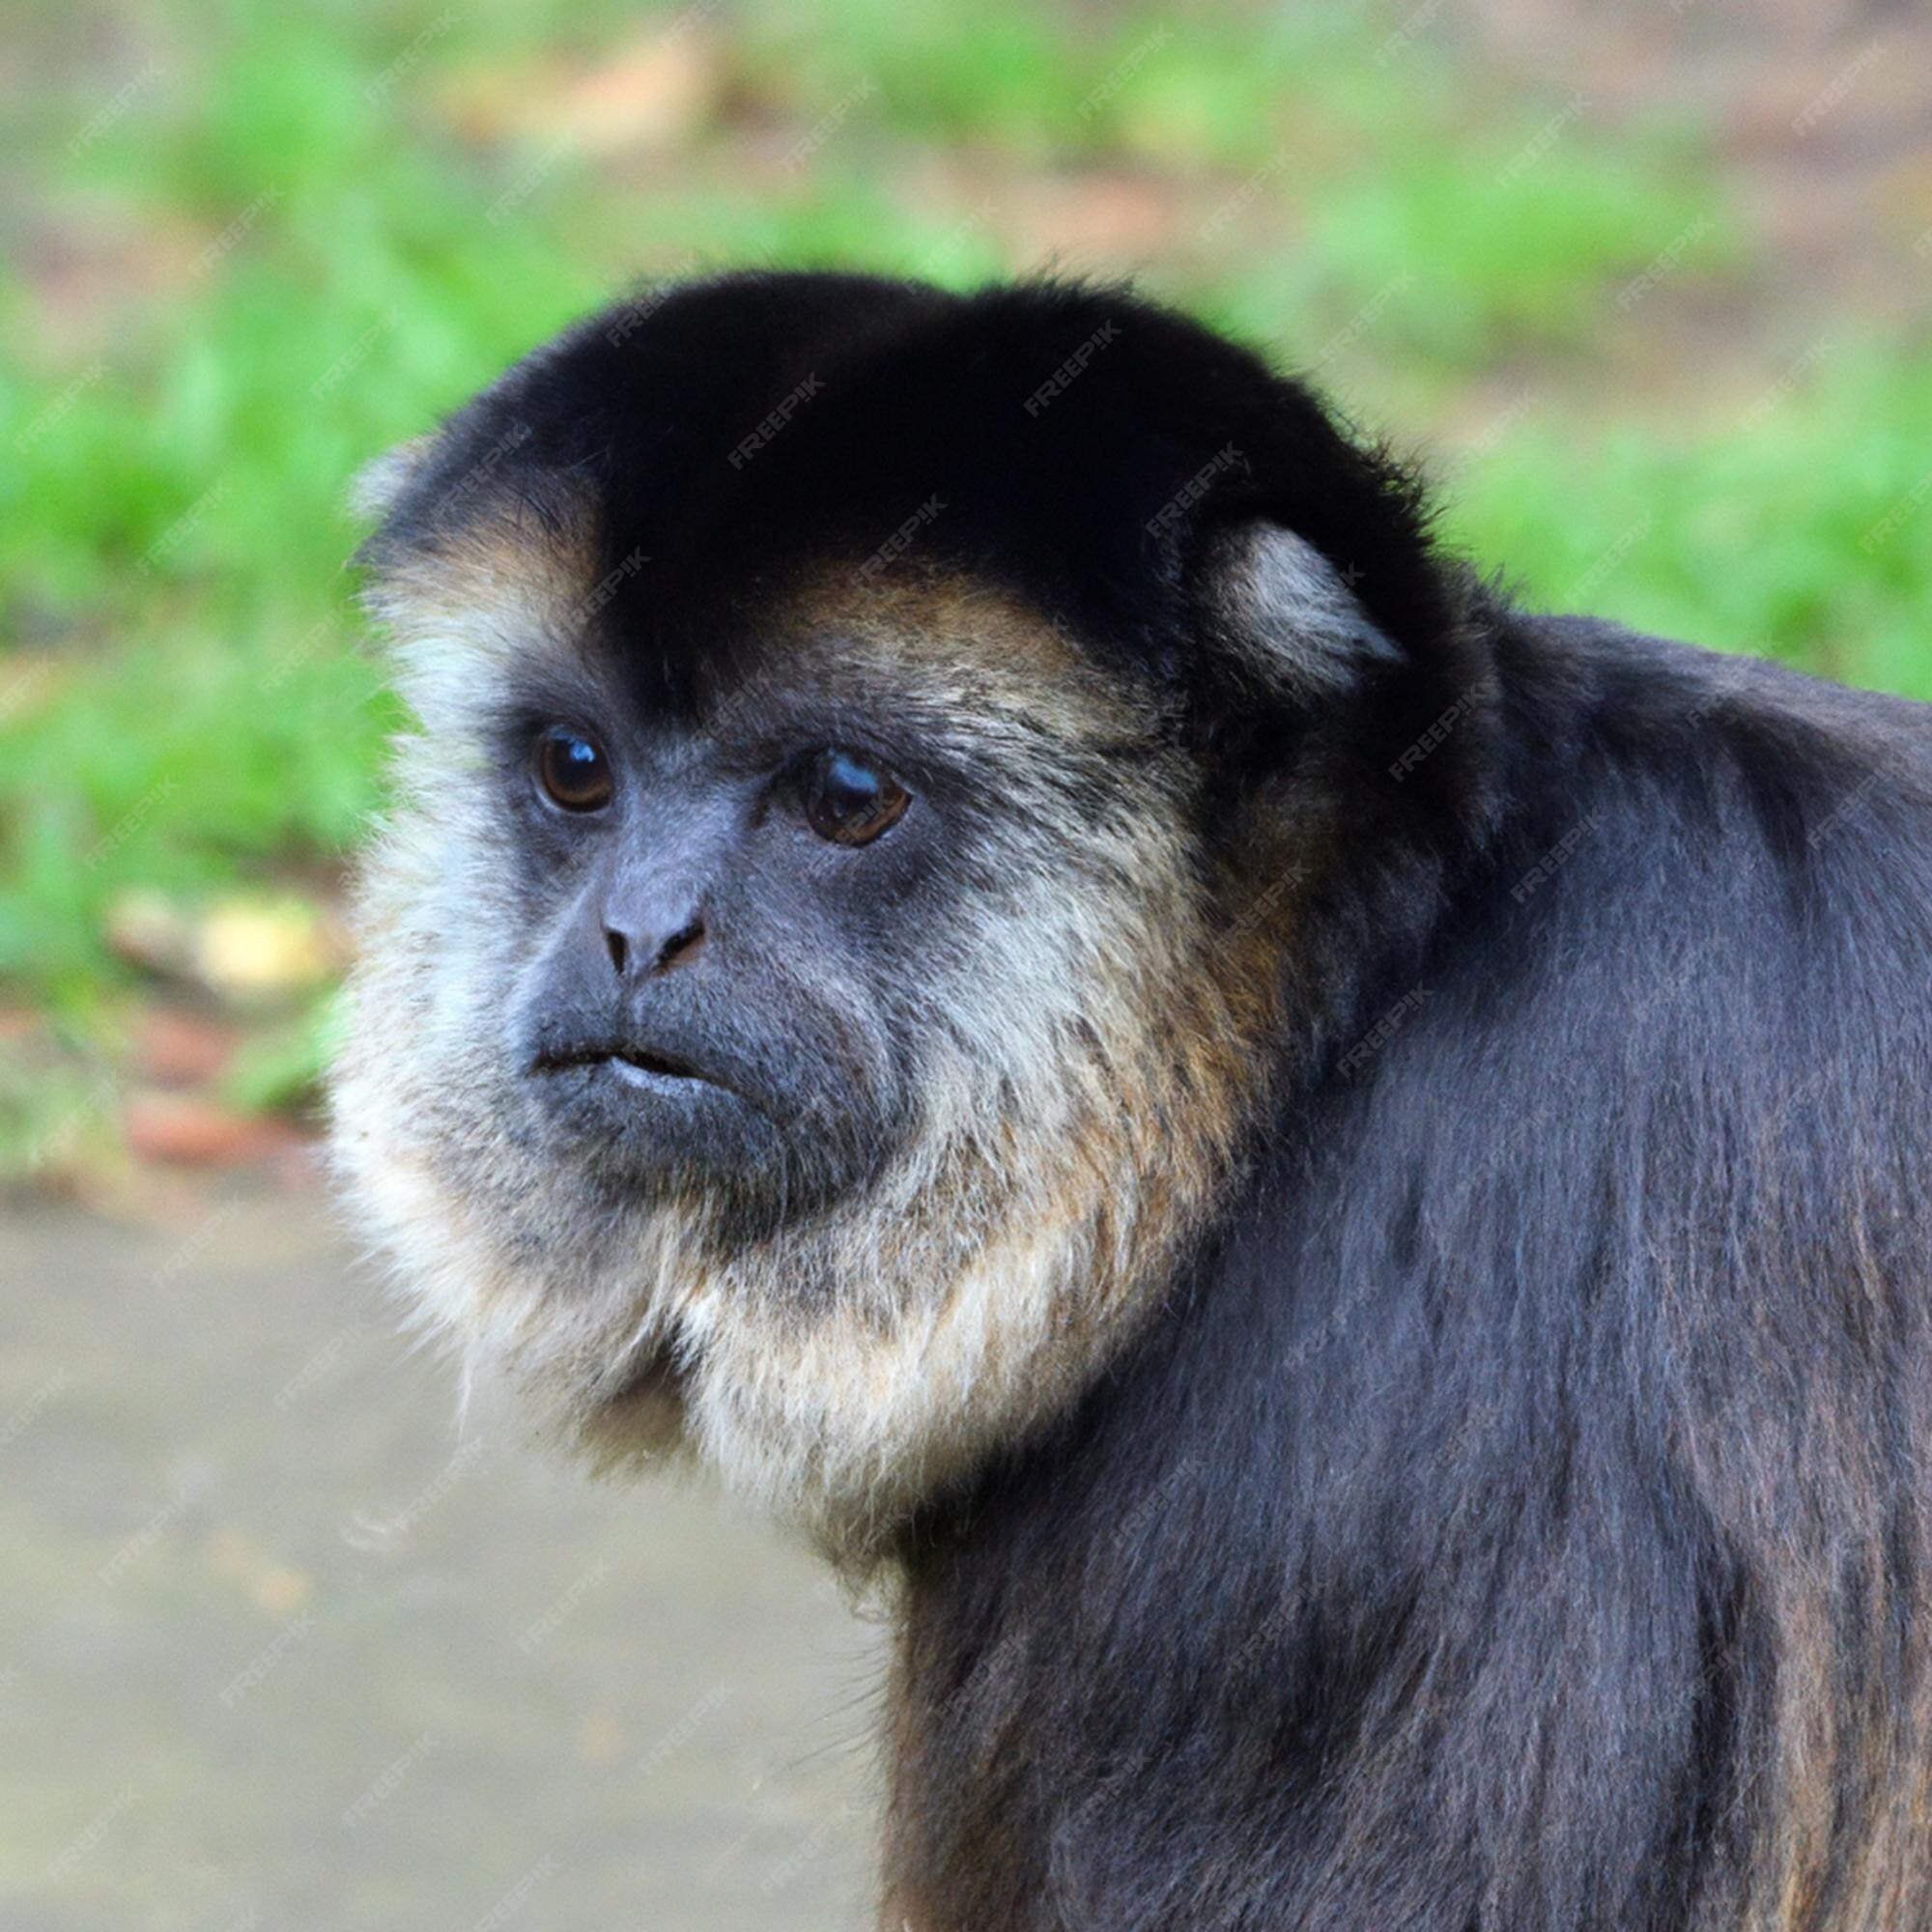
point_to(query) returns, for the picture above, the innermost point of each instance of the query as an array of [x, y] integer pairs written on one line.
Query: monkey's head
[[838, 917]]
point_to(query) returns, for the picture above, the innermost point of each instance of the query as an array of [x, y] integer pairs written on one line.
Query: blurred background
[[1649, 290]]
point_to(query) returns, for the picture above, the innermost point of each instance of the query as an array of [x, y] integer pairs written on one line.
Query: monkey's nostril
[[647, 956], [680, 947]]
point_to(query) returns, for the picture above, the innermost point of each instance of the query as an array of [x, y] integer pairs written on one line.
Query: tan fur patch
[[462, 612]]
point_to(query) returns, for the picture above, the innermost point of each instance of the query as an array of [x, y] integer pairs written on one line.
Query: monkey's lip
[[637, 1067]]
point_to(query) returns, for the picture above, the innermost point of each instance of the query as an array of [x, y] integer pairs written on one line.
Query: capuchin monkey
[[1322, 1174]]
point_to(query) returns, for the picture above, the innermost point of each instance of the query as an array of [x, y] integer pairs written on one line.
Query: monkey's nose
[[640, 948]]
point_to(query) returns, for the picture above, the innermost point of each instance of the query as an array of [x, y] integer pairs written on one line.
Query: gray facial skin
[[708, 1002]]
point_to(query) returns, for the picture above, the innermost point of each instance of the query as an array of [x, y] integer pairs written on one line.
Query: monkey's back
[[1519, 1516]]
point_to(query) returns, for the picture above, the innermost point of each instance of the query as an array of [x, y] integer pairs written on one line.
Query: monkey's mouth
[[637, 1067], [641, 1115]]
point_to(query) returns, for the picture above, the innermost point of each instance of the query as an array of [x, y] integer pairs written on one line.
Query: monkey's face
[[720, 921], [866, 876], [805, 995], [819, 1068]]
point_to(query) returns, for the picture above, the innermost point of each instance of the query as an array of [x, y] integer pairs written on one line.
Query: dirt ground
[[282, 1645]]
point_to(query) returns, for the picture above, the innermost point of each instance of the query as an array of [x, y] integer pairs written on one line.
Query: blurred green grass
[[308, 233]]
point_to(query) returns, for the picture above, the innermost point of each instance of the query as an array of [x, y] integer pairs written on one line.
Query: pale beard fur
[[1075, 1115]]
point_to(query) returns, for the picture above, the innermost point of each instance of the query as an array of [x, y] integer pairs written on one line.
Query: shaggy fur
[[1387, 1347]]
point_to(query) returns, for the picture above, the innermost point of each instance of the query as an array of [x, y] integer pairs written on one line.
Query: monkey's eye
[[850, 801], [572, 770]]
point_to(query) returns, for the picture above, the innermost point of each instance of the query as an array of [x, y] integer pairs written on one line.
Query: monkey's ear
[[378, 486], [1284, 617]]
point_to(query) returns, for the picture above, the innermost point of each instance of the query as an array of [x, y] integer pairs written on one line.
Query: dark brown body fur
[[1518, 1517]]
